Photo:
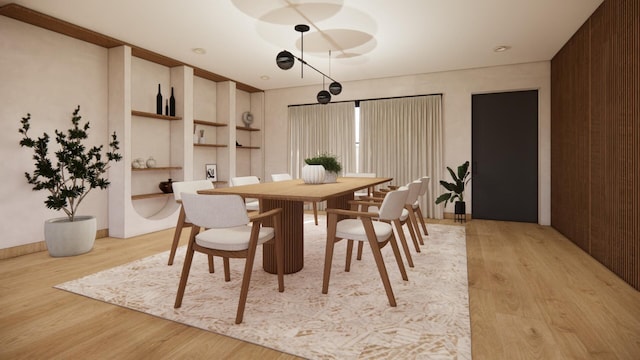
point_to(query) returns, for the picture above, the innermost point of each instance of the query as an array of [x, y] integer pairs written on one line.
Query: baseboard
[[37, 247]]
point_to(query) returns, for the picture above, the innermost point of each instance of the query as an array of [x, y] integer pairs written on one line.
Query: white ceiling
[[368, 38]]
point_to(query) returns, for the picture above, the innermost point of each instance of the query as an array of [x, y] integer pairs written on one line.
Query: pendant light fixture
[[285, 61]]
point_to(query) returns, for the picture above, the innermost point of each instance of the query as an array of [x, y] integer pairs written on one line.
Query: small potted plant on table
[[330, 164], [68, 177]]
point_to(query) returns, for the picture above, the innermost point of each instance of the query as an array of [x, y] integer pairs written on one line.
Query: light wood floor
[[533, 295]]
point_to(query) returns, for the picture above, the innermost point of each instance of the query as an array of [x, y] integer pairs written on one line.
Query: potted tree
[[456, 189], [68, 176], [330, 164]]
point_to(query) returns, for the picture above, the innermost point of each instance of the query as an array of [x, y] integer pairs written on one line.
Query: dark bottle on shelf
[[172, 104], [166, 108], [159, 102]]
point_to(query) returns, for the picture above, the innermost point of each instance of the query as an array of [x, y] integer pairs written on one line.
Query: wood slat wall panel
[[612, 111], [570, 139]]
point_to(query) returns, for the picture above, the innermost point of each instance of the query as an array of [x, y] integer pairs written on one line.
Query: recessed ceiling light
[[502, 48], [199, 51], [265, 77]]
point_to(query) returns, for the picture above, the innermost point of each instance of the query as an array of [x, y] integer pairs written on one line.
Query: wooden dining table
[[290, 196]]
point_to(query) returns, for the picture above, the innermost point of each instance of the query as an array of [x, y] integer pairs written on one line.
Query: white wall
[[456, 87], [48, 75]]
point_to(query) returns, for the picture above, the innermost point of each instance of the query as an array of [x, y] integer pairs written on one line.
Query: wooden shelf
[[209, 123], [150, 196], [209, 145], [248, 147], [155, 116], [158, 168], [244, 128]]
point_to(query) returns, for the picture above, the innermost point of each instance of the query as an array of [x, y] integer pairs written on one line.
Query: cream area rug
[[353, 321]]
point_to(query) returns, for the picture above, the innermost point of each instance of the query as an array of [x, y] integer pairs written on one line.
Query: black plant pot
[[460, 211]]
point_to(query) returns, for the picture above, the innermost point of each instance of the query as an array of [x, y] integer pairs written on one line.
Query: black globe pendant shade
[[335, 88], [324, 97], [285, 60]]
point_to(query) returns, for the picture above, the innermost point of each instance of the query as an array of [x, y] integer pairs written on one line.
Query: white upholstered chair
[[405, 219], [362, 228], [190, 187], [252, 204], [284, 177], [228, 235], [364, 192]]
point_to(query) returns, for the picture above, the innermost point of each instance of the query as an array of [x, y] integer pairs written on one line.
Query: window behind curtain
[[402, 138]]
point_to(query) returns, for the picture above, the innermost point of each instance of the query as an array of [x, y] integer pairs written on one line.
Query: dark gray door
[[505, 156]]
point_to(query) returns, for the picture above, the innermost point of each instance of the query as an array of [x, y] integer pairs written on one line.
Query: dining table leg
[[292, 233]]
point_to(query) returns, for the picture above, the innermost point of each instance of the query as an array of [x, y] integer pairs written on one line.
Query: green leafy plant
[[456, 189], [328, 161], [74, 171]]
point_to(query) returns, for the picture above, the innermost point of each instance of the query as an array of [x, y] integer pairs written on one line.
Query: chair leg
[[227, 274], [403, 241], [210, 258], [424, 225], [360, 246], [176, 234], [186, 267], [396, 253], [414, 222], [412, 233], [347, 264], [248, 269], [315, 211], [377, 255], [332, 220]]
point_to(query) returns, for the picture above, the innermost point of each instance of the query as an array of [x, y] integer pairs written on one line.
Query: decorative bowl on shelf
[[166, 187]]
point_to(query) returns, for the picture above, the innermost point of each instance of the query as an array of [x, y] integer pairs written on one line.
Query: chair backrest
[[190, 187], [352, 174], [244, 180], [393, 203], [280, 177], [414, 191], [425, 185], [215, 211]]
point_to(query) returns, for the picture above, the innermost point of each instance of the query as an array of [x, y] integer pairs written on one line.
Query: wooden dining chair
[[365, 192], [228, 236], [416, 205], [362, 228], [252, 204], [405, 219], [190, 187], [285, 177]]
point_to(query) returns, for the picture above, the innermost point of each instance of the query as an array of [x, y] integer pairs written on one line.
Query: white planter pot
[[330, 177], [66, 238], [313, 174]]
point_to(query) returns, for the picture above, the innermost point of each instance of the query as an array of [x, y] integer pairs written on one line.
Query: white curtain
[[317, 129], [402, 138]]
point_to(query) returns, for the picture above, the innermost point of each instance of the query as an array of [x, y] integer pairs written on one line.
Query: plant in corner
[[330, 164], [456, 189], [68, 177]]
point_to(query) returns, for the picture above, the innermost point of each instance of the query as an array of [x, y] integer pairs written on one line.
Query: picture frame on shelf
[[211, 172]]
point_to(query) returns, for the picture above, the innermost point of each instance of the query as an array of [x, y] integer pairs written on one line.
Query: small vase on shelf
[[166, 108], [172, 104], [159, 102], [151, 162]]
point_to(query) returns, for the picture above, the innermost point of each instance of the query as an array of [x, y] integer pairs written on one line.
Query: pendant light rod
[[311, 66]]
